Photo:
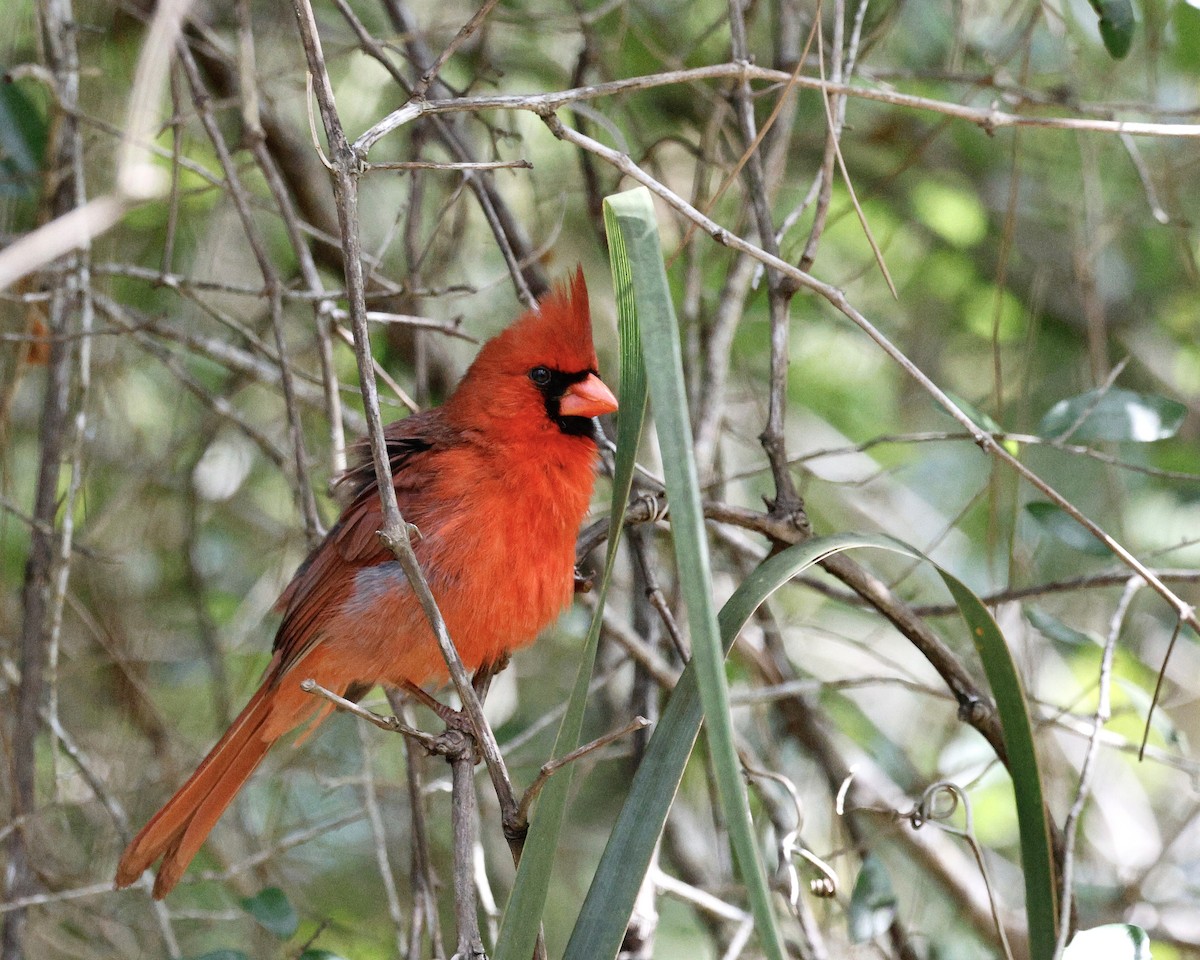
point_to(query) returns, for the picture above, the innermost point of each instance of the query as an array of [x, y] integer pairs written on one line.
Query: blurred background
[[154, 498]]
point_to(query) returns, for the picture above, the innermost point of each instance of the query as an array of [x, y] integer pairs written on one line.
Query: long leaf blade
[[523, 913], [633, 213], [609, 901]]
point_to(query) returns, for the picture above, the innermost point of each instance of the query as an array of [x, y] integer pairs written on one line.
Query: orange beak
[[588, 398]]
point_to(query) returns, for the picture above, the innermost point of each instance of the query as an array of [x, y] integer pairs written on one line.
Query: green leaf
[[1057, 631], [982, 419], [1185, 19], [22, 142], [321, 955], [1051, 518], [1116, 25], [1113, 941], [609, 903], [610, 899], [1041, 898], [274, 911], [222, 955], [1139, 706], [632, 215], [1112, 414], [955, 214], [523, 912], [873, 902]]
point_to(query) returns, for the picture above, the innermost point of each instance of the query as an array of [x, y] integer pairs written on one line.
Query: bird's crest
[[558, 333]]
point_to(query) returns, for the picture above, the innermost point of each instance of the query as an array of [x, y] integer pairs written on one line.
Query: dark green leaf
[[1056, 630], [975, 413], [633, 214], [1051, 518], [873, 902], [1114, 941], [274, 911], [637, 252], [1112, 415], [1185, 18], [1041, 900], [522, 914], [222, 955], [321, 955], [609, 902], [22, 142], [1116, 25]]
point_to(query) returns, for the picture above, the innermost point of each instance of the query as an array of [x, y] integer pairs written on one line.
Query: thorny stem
[[395, 533], [552, 767]]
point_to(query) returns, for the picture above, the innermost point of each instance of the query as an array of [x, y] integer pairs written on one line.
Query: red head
[[541, 373]]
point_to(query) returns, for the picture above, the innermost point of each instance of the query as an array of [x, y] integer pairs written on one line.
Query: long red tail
[[178, 830]]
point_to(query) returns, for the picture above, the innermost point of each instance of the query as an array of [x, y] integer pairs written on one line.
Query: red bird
[[497, 481]]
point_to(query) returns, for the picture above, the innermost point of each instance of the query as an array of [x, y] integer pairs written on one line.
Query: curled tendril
[[938, 803], [656, 507], [823, 887], [790, 846]]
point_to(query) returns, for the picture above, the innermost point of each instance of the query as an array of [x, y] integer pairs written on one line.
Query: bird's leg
[[458, 724], [482, 680], [448, 715], [584, 580]]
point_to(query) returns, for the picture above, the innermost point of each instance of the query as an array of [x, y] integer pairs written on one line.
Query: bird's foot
[[447, 714], [459, 731], [584, 581]]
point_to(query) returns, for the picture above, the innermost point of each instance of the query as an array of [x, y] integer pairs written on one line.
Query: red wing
[[326, 578]]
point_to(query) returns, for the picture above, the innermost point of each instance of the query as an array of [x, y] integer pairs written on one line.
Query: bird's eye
[[540, 376]]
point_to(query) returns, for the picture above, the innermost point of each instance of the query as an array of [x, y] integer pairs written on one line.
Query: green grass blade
[[609, 901], [523, 913], [1041, 899], [633, 214]]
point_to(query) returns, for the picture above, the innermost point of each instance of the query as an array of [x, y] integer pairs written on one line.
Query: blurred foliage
[[1031, 265]]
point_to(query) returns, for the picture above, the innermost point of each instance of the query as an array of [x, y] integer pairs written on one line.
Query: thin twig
[[447, 165], [552, 767], [1183, 610], [463, 817], [48, 562], [1087, 771], [510, 239], [379, 835], [464, 32], [395, 534], [989, 120], [391, 724], [424, 883], [303, 487]]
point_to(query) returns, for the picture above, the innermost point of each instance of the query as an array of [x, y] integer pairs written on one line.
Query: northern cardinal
[[497, 481]]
